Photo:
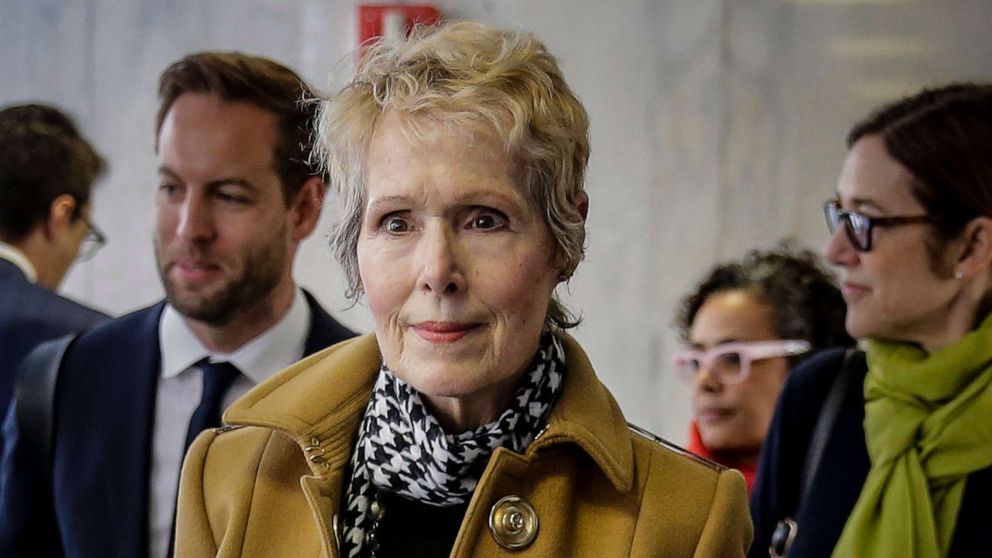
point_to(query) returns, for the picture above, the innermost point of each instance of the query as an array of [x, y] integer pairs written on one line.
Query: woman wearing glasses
[[905, 468], [746, 324]]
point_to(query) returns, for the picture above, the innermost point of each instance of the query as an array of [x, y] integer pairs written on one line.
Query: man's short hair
[[233, 76], [42, 156]]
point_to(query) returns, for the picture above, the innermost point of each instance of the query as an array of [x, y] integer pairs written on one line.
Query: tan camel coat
[[271, 484]]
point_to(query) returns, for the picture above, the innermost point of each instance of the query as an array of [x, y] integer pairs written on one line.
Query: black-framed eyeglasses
[[92, 242], [859, 226]]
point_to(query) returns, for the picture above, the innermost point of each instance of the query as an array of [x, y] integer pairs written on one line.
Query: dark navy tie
[[217, 377]]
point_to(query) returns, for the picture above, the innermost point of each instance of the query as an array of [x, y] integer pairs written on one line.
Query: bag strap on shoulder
[[785, 531], [35, 399], [854, 359]]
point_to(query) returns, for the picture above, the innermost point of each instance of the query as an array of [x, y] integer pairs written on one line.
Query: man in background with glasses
[[47, 171]]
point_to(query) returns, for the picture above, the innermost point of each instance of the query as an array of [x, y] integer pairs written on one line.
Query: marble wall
[[716, 126]]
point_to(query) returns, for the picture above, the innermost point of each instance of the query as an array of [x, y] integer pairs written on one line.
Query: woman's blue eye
[[396, 225], [486, 221]]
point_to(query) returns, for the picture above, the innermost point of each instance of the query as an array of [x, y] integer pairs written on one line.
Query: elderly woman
[[469, 424], [904, 466], [746, 324]]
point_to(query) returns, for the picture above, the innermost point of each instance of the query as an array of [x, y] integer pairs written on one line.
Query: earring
[[959, 275]]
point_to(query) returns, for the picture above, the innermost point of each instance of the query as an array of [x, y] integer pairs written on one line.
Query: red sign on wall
[[392, 21]]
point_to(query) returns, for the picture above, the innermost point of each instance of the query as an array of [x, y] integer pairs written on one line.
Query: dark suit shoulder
[[838, 479], [812, 377], [127, 324], [324, 330], [799, 404], [30, 305], [30, 315], [116, 340]]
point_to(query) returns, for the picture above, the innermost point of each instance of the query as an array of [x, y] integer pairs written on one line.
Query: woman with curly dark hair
[[745, 325]]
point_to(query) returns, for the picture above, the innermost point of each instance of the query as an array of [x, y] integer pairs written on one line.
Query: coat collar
[[13, 255], [587, 415], [320, 401]]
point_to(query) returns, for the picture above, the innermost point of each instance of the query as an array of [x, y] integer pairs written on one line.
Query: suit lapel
[[138, 403], [106, 401], [107, 398]]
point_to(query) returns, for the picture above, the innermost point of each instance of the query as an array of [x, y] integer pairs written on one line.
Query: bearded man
[[235, 196]]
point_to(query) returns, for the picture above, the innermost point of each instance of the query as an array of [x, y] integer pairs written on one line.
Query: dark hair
[[803, 295], [943, 137], [233, 76], [42, 156]]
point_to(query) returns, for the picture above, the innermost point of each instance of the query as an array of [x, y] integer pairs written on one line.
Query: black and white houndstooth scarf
[[402, 449]]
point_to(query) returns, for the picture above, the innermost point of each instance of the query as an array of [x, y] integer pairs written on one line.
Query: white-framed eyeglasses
[[731, 362]]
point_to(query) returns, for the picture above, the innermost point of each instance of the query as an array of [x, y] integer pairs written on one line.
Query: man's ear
[[61, 215], [976, 251], [306, 207]]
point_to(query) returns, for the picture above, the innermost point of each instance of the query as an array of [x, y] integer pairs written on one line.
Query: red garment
[[746, 467]]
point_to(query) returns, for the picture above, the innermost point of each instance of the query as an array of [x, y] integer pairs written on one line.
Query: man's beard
[[262, 271]]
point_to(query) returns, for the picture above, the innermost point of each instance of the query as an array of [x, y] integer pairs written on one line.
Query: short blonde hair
[[471, 77]]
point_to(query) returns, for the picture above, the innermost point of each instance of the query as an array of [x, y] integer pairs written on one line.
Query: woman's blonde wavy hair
[[468, 76]]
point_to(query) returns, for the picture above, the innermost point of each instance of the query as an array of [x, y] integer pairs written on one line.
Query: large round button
[[513, 522]]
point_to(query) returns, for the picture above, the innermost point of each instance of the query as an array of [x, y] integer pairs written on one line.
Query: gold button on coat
[[513, 522]]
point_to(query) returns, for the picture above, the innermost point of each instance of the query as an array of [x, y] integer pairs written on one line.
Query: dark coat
[[96, 503], [30, 314], [842, 471]]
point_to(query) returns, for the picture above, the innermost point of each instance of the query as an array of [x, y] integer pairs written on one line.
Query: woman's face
[[892, 291], [734, 418], [457, 267]]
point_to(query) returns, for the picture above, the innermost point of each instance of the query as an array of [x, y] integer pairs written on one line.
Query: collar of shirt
[[273, 350], [16, 257]]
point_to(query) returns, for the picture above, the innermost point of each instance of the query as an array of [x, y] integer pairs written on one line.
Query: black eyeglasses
[[859, 226], [92, 242]]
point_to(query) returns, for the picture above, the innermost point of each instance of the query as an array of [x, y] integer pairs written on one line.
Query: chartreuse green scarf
[[928, 424]]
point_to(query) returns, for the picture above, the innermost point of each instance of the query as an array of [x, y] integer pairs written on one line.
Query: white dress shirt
[[16, 257], [180, 385]]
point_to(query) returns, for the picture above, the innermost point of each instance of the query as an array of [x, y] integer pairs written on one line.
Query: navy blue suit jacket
[[30, 314], [96, 503], [842, 471]]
